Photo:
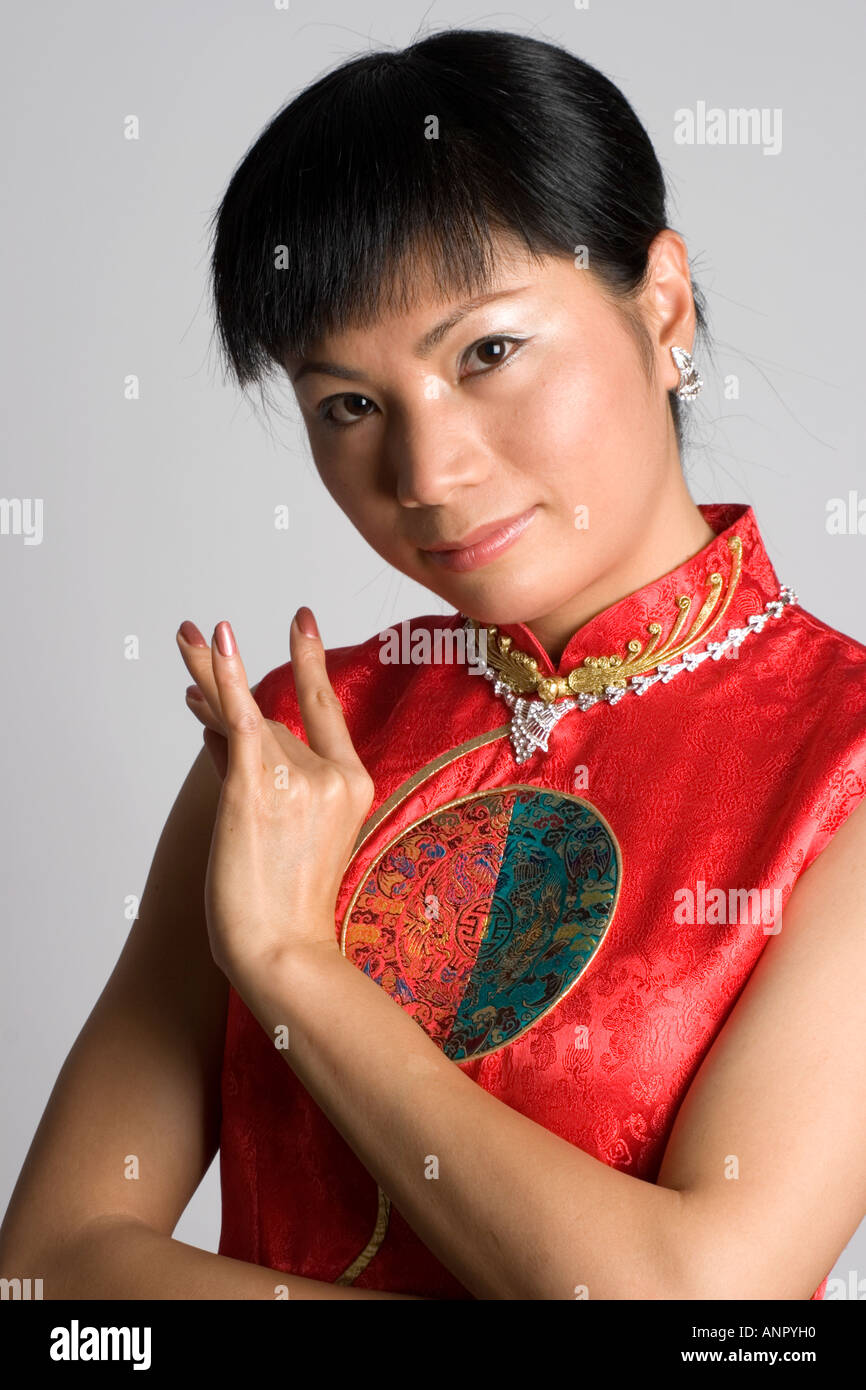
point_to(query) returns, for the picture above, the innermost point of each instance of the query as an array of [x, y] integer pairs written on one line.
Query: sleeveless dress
[[531, 915]]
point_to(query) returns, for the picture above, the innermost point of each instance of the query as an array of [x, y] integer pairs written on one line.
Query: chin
[[498, 593], [503, 606]]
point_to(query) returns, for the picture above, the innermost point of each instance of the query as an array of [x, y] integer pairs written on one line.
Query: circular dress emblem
[[480, 917]]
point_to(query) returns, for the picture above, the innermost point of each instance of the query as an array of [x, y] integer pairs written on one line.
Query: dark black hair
[[332, 206]]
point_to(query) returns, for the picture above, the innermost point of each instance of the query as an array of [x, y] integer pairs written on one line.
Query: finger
[[197, 658], [321, 711], [217, 747], [244, 723], [199, 661], [199, 706]]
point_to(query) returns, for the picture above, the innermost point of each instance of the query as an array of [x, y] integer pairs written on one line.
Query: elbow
[[718, 1257], [702, 1258], [22, 1273], [58, 1267], [652, 1258]]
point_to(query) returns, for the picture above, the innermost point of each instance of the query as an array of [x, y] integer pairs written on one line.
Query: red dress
[[531, 915]]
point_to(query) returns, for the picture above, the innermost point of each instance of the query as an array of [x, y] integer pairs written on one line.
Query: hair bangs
[[360, 195], [413, 172]]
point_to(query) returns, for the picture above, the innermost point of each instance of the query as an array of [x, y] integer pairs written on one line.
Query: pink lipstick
[[494, 540]]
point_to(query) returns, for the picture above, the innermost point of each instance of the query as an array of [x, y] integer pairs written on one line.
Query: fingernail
[[191, 634], [225, 639], [194, 692], [306, 622]]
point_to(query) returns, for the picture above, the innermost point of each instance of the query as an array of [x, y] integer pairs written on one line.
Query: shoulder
[[815, 642], [814, 693], [826, 910], [819, 679], [783, 1079]]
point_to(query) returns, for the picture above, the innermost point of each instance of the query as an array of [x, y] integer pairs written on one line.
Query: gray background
[[161, 508]]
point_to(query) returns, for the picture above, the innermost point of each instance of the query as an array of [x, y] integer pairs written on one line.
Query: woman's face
[[534, 405]]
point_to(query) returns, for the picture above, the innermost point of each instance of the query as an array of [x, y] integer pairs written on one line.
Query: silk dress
[[572, 928]]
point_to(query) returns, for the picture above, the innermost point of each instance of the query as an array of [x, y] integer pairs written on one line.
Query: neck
[[674, 532]]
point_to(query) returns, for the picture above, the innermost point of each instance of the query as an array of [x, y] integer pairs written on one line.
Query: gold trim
[[383, 1213], [519, 671], [374, 1244], [358, 1265], [407, 787]]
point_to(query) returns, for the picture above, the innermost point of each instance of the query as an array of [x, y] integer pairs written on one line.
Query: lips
[[483, 544], [473, 537]]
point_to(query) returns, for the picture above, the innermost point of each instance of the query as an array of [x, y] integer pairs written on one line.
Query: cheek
[[355, 492], [561, 427], [345, 481], [582, 432]]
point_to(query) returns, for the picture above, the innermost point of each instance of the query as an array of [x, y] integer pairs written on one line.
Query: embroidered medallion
[[482, 916]]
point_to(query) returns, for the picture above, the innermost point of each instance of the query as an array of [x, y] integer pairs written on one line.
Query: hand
[[289, 812]]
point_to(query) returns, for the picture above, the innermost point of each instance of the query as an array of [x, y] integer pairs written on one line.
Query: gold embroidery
[[520, 672]]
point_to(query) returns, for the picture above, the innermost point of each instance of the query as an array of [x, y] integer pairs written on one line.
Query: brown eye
[[355, 406], [493, 351]]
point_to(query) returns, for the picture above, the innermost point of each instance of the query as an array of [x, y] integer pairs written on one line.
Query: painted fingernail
[[190, 633], [225, 639], [194, 692], [306, 622]]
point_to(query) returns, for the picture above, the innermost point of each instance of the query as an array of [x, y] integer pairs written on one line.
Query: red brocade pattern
[[534, 933]]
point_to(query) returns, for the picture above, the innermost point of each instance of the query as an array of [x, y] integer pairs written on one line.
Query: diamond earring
[[690, 381]]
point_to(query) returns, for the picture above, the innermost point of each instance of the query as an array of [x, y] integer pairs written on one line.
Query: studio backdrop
[[140, 487]]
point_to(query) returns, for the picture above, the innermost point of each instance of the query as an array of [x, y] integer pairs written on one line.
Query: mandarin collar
[[748, 582]]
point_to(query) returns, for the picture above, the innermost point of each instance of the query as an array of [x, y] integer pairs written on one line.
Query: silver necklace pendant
[[533, 720]]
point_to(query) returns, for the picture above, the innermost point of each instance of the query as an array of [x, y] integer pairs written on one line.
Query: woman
[[489, 994]]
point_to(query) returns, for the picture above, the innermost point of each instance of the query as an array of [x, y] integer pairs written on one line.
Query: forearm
[[514, 1211], [125, 1259]]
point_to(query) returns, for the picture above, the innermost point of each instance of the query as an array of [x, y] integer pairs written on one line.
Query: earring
[[690, 381]]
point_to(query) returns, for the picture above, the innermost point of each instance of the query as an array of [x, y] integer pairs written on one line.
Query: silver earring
[[690, 381]]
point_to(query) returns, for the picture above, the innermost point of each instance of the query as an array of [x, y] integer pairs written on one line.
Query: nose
[[434, 454]]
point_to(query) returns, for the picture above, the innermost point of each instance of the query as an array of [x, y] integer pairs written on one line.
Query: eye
[[357, 407], [498, 357], [348, 403]]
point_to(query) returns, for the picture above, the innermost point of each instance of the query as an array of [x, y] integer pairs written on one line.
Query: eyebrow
[[423, 347]]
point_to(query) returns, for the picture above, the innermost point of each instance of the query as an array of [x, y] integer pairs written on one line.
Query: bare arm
[[118, 1257], [141, 1086]]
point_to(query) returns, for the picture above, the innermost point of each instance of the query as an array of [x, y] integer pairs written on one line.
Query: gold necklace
[[515, 674], [597, 674]]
